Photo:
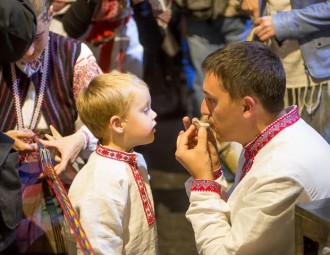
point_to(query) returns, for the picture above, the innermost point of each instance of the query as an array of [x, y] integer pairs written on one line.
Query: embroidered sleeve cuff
[[206, 186], [90, 141]]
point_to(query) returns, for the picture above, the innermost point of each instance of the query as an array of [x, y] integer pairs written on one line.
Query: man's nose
[[204, 108]]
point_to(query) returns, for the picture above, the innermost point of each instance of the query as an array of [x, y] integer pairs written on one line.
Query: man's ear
[[249, 105], [116, 124]]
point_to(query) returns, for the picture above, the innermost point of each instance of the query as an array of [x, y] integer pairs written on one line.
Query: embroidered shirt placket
[[265, 136], [130, 158]]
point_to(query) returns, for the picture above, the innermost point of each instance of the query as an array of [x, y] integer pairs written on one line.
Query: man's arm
[[255, 220]]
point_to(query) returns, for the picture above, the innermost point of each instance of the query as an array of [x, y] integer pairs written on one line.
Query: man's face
[[41, 38], [225, 114]]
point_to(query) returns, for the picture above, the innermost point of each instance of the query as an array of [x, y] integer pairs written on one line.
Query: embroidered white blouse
[[289, 164], [114, 203], [85, 70]]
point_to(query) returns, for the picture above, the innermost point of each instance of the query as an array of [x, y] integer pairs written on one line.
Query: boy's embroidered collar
[[130, 158]]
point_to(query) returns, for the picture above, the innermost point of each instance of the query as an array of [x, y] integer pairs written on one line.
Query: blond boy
[[111, 193]]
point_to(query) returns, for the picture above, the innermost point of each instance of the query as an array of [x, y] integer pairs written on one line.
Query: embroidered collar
[[31, 67], [131, 159], [266, 135]]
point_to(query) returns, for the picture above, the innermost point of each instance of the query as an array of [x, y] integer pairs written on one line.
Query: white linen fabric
[[107, 200], [85, 69], [258, 218]]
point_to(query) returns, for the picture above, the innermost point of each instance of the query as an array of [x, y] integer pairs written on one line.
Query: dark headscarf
[[18, 25]]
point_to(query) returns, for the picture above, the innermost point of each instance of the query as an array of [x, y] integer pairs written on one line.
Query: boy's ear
[[116, 124]]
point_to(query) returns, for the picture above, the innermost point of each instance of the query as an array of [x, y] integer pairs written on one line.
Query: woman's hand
[[69, 147], [21, 139]]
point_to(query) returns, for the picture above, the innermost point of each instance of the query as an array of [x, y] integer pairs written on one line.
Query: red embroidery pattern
[[85, 70], [266, 135], [206, 185], [131, 159]]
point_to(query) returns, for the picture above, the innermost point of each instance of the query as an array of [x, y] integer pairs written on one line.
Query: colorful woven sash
[[63, 199]]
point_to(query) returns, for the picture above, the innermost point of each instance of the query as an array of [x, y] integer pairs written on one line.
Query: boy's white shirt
[[107, 200]]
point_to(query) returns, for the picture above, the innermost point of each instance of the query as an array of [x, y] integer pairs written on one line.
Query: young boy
[[111, 193]]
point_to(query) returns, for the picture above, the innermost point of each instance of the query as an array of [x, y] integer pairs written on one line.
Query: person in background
[[37, 91], [111, 31], [209, 25], [112, 193], [304, 50], [284, 160], [17, 30]]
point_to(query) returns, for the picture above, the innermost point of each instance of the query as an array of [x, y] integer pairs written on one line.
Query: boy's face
[[140, 120]]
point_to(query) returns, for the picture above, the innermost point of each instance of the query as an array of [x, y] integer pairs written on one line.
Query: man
[[284, 161], [17, 29]]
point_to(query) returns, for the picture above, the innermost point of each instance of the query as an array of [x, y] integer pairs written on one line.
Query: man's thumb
[[202, 137]]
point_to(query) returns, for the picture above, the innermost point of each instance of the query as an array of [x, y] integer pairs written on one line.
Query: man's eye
[[210, 100]]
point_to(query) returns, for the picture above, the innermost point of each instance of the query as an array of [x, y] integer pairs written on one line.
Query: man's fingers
[[183, 140], [202, 138], [186, 122]]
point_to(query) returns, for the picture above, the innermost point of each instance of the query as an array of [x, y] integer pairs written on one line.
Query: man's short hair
[[250, 69]]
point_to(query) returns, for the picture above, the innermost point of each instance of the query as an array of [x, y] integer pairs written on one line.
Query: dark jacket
[[10, 192]]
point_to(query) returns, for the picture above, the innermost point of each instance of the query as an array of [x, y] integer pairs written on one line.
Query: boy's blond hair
[[107, 95]]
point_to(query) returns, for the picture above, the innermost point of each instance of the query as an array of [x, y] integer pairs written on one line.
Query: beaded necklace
[[16, 92]]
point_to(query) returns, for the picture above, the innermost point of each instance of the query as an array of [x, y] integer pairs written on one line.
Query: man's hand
[[211, 142], [194, 157], [264, 28], [19, 144], [69, 147]]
